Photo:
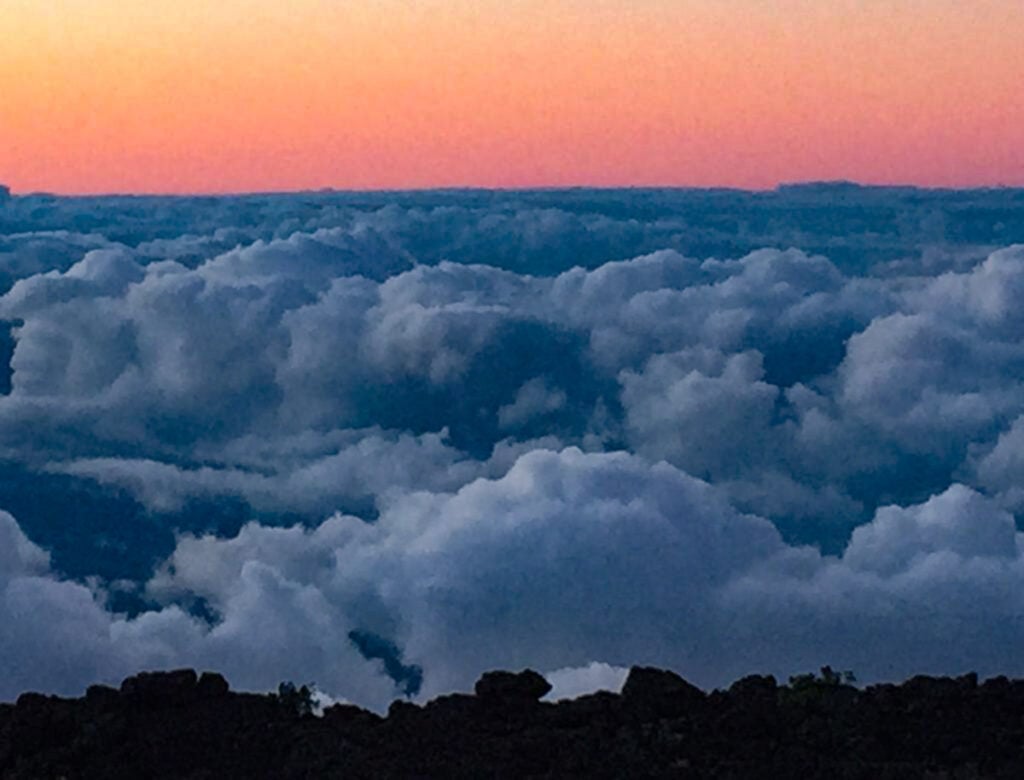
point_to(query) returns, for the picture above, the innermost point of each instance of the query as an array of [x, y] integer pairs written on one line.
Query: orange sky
[[242, 95]]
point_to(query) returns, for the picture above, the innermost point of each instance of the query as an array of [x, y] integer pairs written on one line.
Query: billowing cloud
[[583, 563], [722, 432]]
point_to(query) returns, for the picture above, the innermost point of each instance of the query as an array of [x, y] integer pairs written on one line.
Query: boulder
[[400, 709], [754, 686], [350, 717], [660, 693], [512, 688], [102, 696], [212, 686], [33, 701], [161, 689]]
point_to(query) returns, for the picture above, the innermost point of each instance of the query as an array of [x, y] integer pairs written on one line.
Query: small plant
[[825, 689], [301, 701], [829, 678]]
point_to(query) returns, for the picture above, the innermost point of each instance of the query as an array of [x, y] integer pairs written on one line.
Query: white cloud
[[571, 683], [707, 412], [372, 466], [568, 557], [430, 357], [18, 556], [959, 521], [534, 399]]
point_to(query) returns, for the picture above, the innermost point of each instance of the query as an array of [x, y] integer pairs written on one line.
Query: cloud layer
[[574, 431]]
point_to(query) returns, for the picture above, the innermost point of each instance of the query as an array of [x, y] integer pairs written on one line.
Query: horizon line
[[329, 190]]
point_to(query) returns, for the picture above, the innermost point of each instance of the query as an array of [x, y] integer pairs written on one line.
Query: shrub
[[301, 701]]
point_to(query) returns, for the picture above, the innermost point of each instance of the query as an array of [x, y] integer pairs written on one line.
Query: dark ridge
[[183, 725]]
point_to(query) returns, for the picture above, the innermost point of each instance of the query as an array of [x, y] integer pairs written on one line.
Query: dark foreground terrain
[[182, 725]]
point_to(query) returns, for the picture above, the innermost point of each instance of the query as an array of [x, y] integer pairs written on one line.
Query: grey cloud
[[534, 399], [571, 683], [707, 412], [519, 395], [568, 558]]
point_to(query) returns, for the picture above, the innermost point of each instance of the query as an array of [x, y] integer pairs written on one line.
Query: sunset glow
[[194, 96]]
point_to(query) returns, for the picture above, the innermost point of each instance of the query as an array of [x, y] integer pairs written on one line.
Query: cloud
[[18, 556], [926, 589], [369, 465], [59, 636], [572, 683], [705, 411], [534, 399], [573, 556], [719, 431], [568, 557], [513, 563], [959, 521]]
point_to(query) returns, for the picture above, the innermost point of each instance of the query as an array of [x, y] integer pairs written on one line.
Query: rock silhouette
[[507, 688], [183, 725]]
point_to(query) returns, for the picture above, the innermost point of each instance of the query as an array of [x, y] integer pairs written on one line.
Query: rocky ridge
[[183, 725]]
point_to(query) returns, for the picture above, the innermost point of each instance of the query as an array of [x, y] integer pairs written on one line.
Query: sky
[[251, 95]]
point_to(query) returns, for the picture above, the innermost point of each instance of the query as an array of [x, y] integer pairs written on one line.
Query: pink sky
[[242, 95]]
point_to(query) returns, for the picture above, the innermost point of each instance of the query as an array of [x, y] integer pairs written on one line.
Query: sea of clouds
[[387, 441]]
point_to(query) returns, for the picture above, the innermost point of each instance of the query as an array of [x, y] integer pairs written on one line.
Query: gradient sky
[[242, 95]]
